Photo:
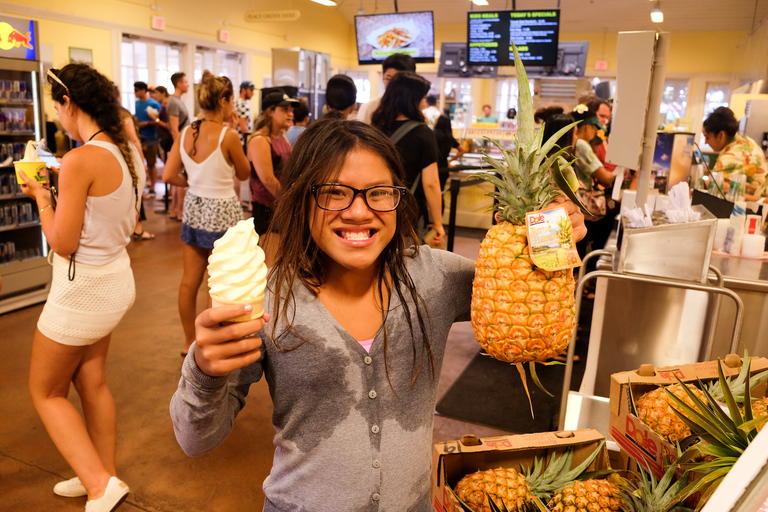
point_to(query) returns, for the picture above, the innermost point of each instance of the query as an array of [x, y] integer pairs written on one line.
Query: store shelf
[[13, 196], [20, 226], [26, 133], [16, 103]]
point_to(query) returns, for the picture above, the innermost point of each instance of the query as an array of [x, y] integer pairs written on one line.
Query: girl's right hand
[[221, 348]]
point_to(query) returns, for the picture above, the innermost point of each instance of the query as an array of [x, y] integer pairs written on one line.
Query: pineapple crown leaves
[[737, 385], [651, 495], [544, 483], [527, 172]]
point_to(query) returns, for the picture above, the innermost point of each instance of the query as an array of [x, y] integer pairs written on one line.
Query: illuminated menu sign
[[535, 33]]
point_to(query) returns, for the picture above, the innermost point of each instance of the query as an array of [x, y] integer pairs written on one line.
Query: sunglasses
[[52, 76]]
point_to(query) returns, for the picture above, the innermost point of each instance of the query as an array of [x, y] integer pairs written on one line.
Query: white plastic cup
[[753, 246], [720, 232]]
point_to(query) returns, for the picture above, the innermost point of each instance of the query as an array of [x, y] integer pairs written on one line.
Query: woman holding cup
[[92, 284]]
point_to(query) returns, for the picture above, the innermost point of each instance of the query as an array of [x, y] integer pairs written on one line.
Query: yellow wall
[[318, 28]]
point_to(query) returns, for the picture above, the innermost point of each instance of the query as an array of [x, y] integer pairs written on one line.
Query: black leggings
[[262, 216]]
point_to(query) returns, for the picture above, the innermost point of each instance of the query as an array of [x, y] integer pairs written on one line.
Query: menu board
[[535, 33]]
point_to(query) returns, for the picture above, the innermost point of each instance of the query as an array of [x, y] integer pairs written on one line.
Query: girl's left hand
[[30, 187]]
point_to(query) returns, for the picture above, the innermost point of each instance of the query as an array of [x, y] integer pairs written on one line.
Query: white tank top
[[211, 178], [110, 220]]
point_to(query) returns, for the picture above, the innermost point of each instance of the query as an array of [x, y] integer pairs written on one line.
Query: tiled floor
[[143, 373]]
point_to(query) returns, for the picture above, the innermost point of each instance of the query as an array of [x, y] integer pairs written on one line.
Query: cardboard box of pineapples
[[647, 429], [472, 463]]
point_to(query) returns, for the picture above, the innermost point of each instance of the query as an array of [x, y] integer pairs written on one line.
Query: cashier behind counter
[[738, 153]]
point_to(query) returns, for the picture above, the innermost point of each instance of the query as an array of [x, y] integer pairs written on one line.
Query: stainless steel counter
[[636, 323]]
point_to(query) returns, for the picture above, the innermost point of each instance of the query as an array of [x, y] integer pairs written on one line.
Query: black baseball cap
[[247, 85], [276, 99]]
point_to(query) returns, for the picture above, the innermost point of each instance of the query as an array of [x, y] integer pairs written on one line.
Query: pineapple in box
[[520, 491], [656, 409], [521, 313]]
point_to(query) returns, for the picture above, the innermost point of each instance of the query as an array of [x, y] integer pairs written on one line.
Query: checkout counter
[[636, 323]]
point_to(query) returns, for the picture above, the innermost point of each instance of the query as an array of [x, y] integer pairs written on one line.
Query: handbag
[[166, 142], [595, 202]]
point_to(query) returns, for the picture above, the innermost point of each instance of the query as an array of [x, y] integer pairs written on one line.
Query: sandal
[[142, 235]]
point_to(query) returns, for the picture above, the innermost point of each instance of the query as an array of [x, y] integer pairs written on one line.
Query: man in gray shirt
[[178, 117]]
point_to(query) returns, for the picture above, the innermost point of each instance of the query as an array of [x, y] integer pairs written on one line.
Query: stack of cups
[[753, 246]]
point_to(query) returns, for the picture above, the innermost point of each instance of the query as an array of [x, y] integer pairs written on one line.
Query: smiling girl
[[358, 324]]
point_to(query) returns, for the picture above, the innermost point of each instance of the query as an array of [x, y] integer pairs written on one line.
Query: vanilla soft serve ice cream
[[237, 270]]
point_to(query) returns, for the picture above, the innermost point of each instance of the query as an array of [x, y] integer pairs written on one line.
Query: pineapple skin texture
[[587, 496], [655, 410], [519, 312], [503, 484]]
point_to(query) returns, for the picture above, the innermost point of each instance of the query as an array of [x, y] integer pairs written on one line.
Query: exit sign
[[224, 36], [158, 23], [601, 65]]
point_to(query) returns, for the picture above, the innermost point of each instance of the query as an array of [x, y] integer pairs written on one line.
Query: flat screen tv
[[535, 33], [380, 35]]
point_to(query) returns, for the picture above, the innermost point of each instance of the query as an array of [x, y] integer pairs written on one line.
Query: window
[[220, 63], [674, 101], [362, 83], [506, 96], [457, 91], [717, 96], [149, 61]]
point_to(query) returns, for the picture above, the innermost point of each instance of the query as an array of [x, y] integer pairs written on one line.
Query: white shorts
[[83, 311]]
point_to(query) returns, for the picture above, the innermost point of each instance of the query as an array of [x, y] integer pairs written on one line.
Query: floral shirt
[[744, 156], [586, 163]]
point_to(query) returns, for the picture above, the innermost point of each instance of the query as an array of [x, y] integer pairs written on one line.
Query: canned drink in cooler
[[10, 250], [3, 252]]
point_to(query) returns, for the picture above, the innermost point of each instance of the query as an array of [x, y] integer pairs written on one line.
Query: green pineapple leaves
[[524, 181], [724, 436]]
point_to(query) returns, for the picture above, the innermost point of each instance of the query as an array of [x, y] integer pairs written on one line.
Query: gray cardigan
[[345, 439]]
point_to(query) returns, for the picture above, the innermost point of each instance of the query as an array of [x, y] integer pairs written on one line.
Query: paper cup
[[720, 233], [753, 246], [34, 170], [258, 309]]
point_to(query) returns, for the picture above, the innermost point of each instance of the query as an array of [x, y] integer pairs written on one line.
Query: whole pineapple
[[521, 313], [519, 491], [646, 494], [655, 409], [590, 495], [737, 386]]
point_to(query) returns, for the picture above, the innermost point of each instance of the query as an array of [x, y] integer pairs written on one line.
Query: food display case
[[25, 272]]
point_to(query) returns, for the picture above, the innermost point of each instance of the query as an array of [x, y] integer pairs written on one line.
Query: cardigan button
[[371, 394]]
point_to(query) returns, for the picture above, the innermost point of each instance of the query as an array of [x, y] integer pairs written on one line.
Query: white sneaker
[[116, 492], [71, 488]]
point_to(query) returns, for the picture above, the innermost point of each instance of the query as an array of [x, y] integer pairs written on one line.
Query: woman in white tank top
[[212, 156], [92, 285]]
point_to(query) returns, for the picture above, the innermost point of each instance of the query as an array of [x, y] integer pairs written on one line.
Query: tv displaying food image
[[381, 35]]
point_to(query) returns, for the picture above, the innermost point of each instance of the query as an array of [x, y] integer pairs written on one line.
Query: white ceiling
[[578, 16]]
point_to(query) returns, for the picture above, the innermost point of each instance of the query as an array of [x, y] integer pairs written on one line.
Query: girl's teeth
[[359, 235]]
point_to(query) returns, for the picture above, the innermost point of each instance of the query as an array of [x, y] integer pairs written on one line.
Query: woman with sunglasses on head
[[352, 341], [211, 155], [400, 108], [92, 285]]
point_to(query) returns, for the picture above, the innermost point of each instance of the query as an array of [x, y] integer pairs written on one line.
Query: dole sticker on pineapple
[[550, 240]]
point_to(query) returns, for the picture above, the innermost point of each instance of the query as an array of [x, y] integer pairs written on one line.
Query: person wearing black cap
[[267, 150]]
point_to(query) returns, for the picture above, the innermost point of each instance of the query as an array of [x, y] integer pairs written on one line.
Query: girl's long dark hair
[[317, 158], [94, 94], [402, 97]]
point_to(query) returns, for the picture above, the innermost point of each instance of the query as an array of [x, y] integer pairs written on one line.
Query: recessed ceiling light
[[325, 2], [480, 2]]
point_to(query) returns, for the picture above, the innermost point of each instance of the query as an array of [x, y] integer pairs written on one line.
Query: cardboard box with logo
[[635, 438], [452, 460]]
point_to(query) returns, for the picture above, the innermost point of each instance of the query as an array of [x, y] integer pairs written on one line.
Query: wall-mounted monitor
[[535, 33], [571, 61], [380, 35], [453, 63]]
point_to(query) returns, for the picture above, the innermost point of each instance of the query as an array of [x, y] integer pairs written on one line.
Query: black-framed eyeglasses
[[336, 197]]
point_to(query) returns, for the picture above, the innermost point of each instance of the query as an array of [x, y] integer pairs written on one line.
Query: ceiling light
[[656, 15], [480, 2], [325, 2]]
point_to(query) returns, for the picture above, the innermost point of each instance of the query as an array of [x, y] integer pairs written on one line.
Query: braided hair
[[94, 94]]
